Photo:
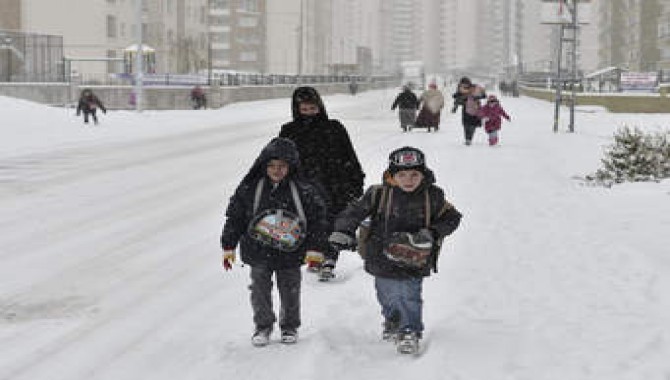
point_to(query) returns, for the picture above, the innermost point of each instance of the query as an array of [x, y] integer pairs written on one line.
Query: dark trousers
[[288, 285], [92, 112], [469, 130]]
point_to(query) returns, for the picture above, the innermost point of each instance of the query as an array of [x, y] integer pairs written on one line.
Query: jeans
[[288, 284], [401, 298]]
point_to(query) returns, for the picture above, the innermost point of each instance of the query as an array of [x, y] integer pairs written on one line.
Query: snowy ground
[[110, 263]]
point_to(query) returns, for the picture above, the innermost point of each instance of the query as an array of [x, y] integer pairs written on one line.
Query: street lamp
[[8, 47]]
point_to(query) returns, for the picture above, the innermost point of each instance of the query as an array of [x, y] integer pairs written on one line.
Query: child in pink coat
[[493, 113]]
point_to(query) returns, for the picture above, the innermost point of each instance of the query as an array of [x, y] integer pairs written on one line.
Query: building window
[[111, 26], [221, 55], [112, 66], [249, 5], [219, 20], [248, 22], [219, 37], [248, 56], [219, 4]]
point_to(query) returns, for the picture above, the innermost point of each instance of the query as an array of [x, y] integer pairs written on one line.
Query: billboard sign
[[636, 81]]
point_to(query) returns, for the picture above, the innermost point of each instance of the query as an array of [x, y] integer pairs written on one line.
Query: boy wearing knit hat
[[408, 219]]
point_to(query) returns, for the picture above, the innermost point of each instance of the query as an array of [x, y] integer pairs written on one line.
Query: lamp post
[[138, 57], [8, 47]]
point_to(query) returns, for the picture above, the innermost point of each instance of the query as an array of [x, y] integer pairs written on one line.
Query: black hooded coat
[[327, 155], [240, 211]]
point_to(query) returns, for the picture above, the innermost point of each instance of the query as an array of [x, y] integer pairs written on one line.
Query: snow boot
[[326, 272], [390, 332], [407, 342], [289, 336], [261, 336]]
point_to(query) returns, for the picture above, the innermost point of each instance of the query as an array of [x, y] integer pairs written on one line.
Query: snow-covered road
[[110, 259]]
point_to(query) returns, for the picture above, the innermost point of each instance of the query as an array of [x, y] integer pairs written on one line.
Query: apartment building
[[237, 29], [178, 31], [629, 33], [299, 37], [664, 36], [94, 31]]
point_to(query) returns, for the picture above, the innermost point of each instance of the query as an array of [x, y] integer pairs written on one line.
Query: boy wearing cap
[[409, 216]]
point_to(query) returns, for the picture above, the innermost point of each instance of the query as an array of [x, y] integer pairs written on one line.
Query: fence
[[30, 57], [225, 79]]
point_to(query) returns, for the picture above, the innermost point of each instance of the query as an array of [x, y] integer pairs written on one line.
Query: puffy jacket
[[240, 210], [406, 214]]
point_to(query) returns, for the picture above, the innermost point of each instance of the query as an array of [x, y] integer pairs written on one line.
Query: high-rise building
[[299, 36], [629, 33], [98, 30], [237, 31]]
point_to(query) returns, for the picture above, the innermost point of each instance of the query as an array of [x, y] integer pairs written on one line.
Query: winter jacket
[[433, 100], [240, 211], [406, 100], [460, 100], [88, 102], [406, 214], [493, 113], [327, 155]]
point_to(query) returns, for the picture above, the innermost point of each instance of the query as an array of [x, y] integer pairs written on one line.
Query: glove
[[341, 241], [313, 259], [228, 259], [424, 237]]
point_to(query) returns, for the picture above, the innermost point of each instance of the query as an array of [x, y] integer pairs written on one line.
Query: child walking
[[493, 113], [278, 219], [408, 219]]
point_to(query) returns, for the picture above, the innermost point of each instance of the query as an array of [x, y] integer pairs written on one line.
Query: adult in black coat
[[468, 90], [408, 104], [327, 156], [88, 104]]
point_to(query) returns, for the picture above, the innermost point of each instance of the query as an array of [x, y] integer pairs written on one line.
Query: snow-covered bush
[[635, 156]]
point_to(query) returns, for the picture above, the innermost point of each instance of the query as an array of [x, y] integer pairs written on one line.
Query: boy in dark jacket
[[408, 104], [327, 158], [409, 217], [88, 104], [278, 219]]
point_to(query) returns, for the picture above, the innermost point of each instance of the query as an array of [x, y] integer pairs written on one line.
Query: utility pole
[[571, 40], [301, 28], [138, 56]]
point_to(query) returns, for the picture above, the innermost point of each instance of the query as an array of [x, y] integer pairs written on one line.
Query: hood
[[278, 148], [310, 94]]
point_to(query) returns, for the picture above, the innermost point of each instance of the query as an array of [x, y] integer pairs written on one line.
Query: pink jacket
[[493, 113]]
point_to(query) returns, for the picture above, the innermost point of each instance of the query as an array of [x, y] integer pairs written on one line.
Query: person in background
[[432, 102], [408, 104], [492, 112], [468, 96], [328, 158], [278, 219], [89, 104], [198, 98]]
